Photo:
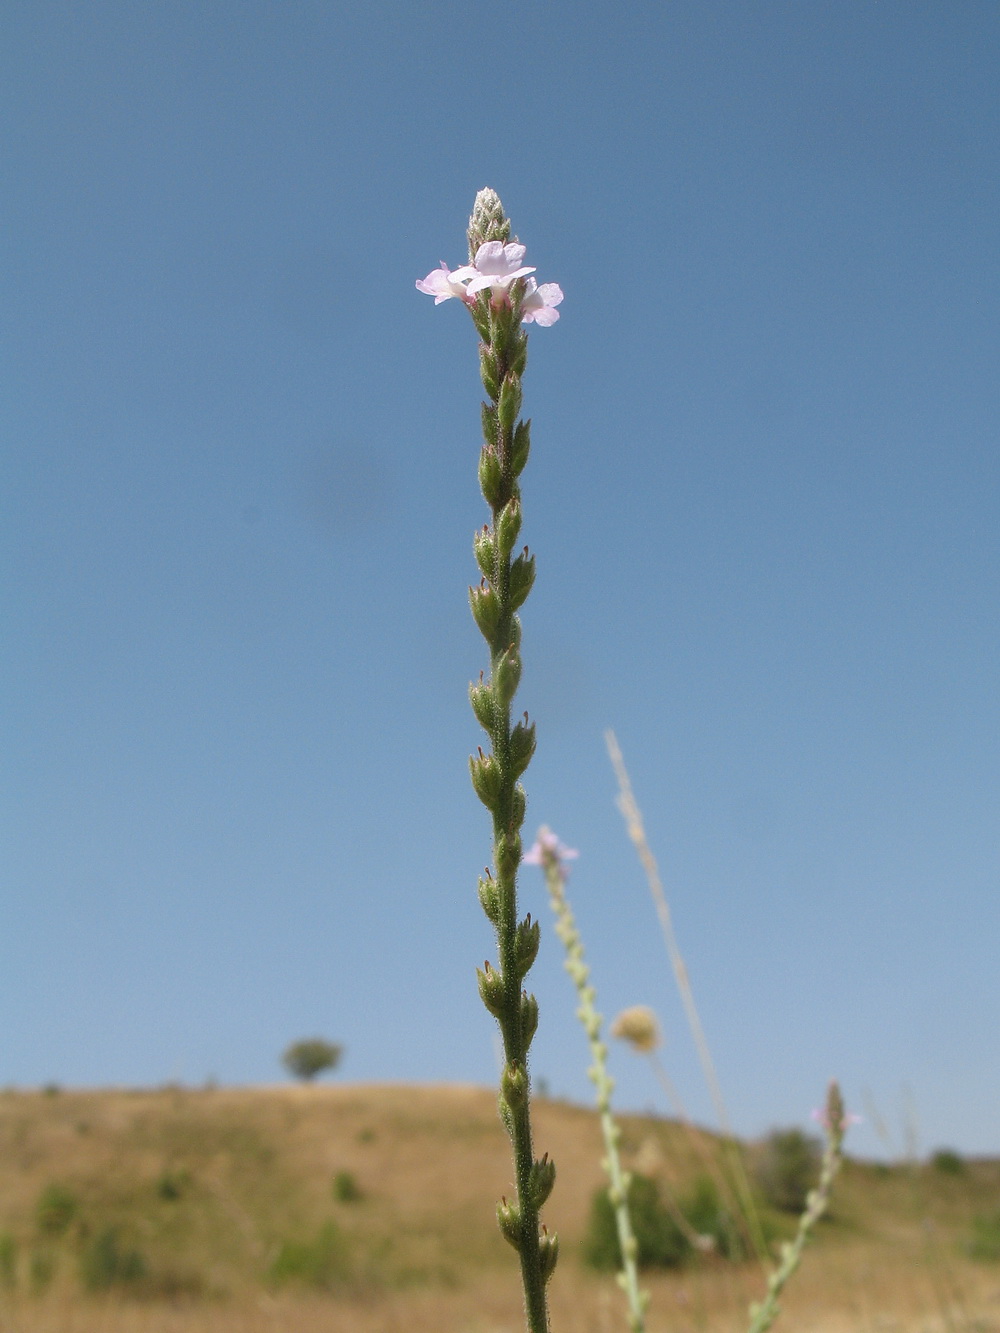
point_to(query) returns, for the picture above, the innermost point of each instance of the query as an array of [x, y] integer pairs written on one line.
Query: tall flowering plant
[[497, 289]]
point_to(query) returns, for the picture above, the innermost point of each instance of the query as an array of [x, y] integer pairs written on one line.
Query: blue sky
[[240, 488]]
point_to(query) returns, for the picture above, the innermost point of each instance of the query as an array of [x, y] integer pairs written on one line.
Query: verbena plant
[[497, 290]]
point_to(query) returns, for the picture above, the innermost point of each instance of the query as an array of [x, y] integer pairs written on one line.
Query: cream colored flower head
[[638, 1027]]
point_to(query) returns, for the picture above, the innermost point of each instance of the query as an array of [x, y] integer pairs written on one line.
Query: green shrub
[[985, 1243], [345, 1188], [8, 1261], [171, 1185], [788, 1168], [948, 1162], [41, 1269], [305, 1059], [55, 1210], [105, 1263], [660, 1241], [704, 1211], [321, 1262]]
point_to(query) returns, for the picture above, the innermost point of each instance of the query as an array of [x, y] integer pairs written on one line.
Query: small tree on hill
[[306, 1059]]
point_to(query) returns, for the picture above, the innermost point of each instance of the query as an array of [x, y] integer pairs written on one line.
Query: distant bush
[[985, 1243], [948, 1162], [55, 1210], [321, 1262], [305, 1059], [41, 1270], [105, 1263], [346, 1188], [171, 1185], [788, 1168], [705, 1212], [8, 1261], [660, 1241]]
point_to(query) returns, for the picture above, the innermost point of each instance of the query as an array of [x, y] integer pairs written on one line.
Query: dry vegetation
[[219, 1211]]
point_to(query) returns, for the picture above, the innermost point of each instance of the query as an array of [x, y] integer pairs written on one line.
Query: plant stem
[[762, 1316], [632, 815], [566, 929], [505, 584]]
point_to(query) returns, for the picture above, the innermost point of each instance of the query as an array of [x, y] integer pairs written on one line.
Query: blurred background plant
[[307, 1059], [787, 1167], [551, 855]]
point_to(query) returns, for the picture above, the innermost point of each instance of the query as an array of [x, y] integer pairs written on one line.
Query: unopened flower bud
[[509, 403], [522, 747], [519, 353], [522, 576], [541, 1179], [488, 222], [490, 475], [521, 447], [491, 990], [487, 779], [548, 1253], [508, 854], [483, 548], [509, 526], [485, 606], [529, 1018], [507, 677], [509, 1222], [481, 699], [526, 941], [488, 370], [489, 899], [514, 1086], [518, 806], [490, 420]]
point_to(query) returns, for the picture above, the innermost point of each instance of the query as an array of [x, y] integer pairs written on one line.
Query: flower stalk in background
[[494, 287], [632, 815], [835, 1121], [549, 853]]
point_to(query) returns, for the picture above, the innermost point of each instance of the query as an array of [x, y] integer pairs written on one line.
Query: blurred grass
[[220, 1209]]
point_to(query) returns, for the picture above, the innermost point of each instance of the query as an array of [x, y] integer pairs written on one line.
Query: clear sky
[[239, 490]]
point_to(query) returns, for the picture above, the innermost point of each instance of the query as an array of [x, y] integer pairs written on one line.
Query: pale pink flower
[[538, 306], [443, 283], [497, 265], [548, 845], [820, 1116]]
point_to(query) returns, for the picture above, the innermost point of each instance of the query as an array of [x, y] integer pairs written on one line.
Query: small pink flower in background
[[539, 302], [548, 845], [820, 1116], [443, 283], [497, 265]]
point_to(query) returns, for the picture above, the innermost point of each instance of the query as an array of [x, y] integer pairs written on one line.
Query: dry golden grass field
[[327, 1209]]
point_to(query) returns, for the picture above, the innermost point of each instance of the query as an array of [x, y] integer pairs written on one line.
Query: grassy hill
[[371, 1208]]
